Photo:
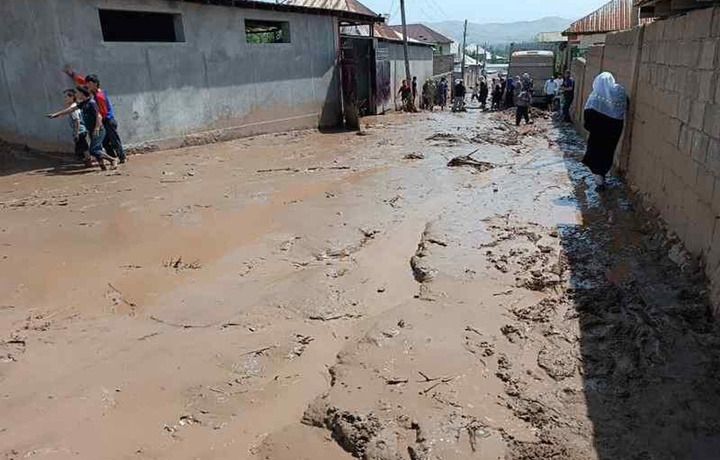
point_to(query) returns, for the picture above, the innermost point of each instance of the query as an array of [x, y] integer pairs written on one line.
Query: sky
[[483, 11]]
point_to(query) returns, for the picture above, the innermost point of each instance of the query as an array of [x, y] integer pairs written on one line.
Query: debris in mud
[[308, 169], [421, 268], [301, 343], [260, 351], [353, 432], [499, 135], [422, 271], [513, 333], [178, 264], [118, 298], [394, 201], [540, 312], [414, 156], [334, 317], [445, 139], [559, 363], [467, 160], [368, 235]]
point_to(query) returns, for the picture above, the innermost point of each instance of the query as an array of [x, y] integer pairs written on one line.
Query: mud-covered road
[[329, 296]]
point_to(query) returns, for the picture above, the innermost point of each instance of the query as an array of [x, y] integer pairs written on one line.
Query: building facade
[[177, 72]]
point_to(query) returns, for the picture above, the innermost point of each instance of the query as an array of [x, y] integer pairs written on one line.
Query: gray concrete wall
[[421, 66], [214, 85]]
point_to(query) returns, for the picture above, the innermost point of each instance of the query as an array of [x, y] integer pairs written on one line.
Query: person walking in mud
[[79, 132], [483, 93], [604, 119], [414, 90], [92, 119], [523, 100], [567, 89], [442, 90], [405, 93], [459, 98], [113, 143], [428, 93]]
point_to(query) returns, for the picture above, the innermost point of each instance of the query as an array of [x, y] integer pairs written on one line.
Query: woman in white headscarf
[[604, 119]]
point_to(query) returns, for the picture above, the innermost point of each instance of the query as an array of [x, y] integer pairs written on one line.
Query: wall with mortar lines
[[671, 148]]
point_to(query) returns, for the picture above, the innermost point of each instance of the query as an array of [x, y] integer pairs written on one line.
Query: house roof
[[380, 31], [351, 6], [612, 16], [423, 33], [364, 16]]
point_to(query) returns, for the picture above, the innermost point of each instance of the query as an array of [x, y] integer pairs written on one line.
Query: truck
[[539, 64]]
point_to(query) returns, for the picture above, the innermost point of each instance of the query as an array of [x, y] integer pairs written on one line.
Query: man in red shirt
[[113, 144]]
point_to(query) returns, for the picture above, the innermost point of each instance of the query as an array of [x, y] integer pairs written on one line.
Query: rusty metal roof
[[614, 15], [363, 16], [351, 6]]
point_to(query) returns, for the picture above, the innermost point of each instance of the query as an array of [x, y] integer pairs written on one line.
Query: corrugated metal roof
[[352, 6], [423, 33], [381, 31], [614, 15], [352, 16]]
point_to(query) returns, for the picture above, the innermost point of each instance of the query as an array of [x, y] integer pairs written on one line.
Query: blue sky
[[482, 11]]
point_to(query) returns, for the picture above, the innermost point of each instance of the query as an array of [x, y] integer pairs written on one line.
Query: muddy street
[[439, 286]]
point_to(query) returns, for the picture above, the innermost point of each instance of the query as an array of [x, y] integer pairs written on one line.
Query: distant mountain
[[499, 33]]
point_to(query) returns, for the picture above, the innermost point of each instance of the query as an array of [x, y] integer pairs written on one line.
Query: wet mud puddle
[[446, 286]]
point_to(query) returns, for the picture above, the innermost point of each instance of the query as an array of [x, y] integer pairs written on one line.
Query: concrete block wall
[[671, 69], [675, 155]]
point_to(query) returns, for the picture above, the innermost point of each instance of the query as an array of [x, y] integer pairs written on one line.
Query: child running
[[93, 123], [77, 126]]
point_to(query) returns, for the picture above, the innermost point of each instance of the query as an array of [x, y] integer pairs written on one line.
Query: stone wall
[[671, 147], [443, 64]]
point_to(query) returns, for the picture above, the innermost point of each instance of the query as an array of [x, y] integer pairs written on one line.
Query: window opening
[[267, 31], [141, 26]]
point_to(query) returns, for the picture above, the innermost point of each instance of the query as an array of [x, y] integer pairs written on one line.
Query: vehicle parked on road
[[539, 64]]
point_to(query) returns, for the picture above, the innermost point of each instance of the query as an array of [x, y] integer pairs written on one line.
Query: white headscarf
[[608, 97]]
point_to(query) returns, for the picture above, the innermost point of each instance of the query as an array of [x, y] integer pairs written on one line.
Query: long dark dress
[[605, 133]]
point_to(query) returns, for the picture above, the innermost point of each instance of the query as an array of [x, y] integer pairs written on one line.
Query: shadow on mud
[[649, 348], [16, 159]]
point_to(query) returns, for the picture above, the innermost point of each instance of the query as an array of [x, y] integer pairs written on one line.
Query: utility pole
[[408, 78], [477, 63], [462, 63]]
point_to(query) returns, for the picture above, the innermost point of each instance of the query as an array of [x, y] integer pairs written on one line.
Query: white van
[[539, 64]]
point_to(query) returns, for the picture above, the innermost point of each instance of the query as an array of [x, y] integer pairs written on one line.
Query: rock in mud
[[557, 362], [353, 432]]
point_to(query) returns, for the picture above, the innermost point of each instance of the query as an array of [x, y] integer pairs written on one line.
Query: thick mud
[[446, 286]]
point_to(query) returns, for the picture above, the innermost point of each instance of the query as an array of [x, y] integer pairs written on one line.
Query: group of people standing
[[560, 94], [433, 94], [92, 121]]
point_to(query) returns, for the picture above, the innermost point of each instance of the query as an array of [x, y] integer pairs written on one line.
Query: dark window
[[267, 31], [141, 26]]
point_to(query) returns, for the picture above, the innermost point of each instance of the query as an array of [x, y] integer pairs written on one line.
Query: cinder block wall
[[671, 147]]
